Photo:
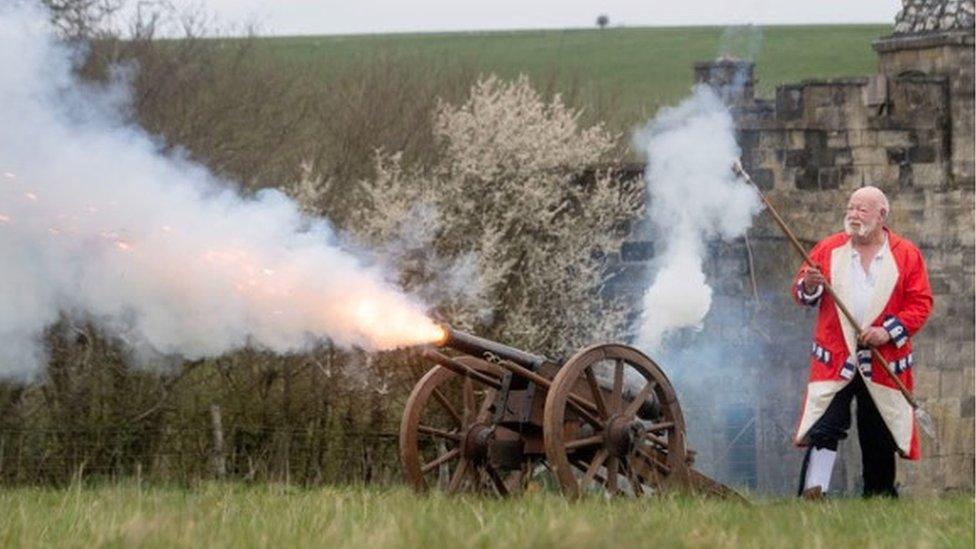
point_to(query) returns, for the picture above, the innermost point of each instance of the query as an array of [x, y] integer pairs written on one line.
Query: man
[[881, 278]]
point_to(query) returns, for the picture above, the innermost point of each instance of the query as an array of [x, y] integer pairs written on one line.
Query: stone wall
[[908, 130]]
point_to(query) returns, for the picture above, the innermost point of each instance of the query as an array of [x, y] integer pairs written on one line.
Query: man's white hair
[[876, 194]]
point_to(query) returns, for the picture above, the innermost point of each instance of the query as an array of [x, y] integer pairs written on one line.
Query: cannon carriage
[[491, 418]]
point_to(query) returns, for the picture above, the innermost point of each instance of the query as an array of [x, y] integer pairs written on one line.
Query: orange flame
[[394, 324]]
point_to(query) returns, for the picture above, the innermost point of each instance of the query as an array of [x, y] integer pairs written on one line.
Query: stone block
[[862, 138], [955, 434], [921, 478], [829, 178], [950, 384], [807, 179], [966, 407], [795, 139], [869, 156], [897, 155], [884, 176], [940, 284], [894, 138], [815, 139], [789, 102], [837, 139], [922, 154], [763, 178], [928, 176], [956, 472], [906, 176], [927, 383], [772, 139], [853, 179], [841, 157], [829, 117], [796, 158]]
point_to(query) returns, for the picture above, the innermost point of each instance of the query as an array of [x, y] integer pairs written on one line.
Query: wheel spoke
[[468, 398], [601, 405], [440, 460], [598, 460], [612, 475], [459, 474], [583, 413], [656, 439], [639, 399], [618, 386], [435, 432], [446, 404], [584, 442], [635, 484], [653, 461], [660, 426], [496, 480]]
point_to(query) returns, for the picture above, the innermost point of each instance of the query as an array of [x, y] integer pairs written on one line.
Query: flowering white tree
[[509, 232]]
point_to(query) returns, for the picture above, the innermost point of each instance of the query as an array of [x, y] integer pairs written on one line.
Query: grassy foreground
[[225, 515]]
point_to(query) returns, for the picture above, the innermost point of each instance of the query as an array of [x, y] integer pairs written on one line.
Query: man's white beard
[[866, 228]]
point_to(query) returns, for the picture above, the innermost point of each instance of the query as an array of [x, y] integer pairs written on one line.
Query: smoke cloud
[[97, 225], [693, 196]]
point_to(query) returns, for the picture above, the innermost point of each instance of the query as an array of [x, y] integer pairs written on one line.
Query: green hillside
[[629, 72]]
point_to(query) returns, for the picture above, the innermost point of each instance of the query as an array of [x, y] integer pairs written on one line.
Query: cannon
[[490, 418]]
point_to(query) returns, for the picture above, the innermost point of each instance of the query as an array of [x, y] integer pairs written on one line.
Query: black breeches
[[877, 445]]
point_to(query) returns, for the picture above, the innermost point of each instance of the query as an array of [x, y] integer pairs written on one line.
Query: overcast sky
[[373, 16]]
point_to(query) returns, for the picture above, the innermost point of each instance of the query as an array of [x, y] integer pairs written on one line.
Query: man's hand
[[874, 336], [811, 279]]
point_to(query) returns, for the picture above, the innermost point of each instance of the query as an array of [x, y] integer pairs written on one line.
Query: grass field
[[635, 69], [219, 515]]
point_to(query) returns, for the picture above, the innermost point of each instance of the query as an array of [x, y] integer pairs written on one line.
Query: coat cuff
[[808, 299], [895, 329]]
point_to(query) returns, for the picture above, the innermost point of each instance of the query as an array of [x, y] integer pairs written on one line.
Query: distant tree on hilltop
[[603, 20]]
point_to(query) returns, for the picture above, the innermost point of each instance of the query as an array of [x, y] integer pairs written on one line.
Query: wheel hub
[[477, 441], [622, 435]]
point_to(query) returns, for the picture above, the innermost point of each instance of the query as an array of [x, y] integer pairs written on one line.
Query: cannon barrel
[[486, 348]]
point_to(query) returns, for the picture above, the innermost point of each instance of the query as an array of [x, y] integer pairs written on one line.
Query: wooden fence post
[[219, 461]]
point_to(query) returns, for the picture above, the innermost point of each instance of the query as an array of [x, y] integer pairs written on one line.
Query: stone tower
[[935, 38]]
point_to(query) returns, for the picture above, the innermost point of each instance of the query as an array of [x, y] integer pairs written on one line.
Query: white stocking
[[819, 467]]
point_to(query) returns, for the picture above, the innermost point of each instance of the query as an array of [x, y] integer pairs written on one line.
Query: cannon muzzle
[[488, 349]]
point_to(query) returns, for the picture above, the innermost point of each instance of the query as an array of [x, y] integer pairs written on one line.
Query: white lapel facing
[[884, 282], [842, 281]]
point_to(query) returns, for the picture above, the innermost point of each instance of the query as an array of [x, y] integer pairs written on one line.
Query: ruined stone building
[[907, 129]]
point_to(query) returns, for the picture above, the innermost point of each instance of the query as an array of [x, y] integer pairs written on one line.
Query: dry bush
[[509, 231]]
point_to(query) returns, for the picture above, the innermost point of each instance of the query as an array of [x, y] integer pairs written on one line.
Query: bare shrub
[[512, 218]]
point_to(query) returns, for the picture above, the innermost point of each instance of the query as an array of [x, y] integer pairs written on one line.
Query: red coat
[[901, 302]]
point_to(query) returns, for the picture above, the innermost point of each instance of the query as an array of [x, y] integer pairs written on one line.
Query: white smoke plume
[[96, 224], [693, 196]]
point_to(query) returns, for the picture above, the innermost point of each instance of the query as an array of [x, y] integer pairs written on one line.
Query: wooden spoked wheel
[[600, 433], [446, 432]]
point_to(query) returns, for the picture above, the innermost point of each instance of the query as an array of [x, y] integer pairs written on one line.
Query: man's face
[[863, 215]]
